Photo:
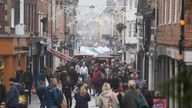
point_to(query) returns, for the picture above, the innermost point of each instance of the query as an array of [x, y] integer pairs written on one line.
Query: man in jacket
[[147, 94], [12, 100]]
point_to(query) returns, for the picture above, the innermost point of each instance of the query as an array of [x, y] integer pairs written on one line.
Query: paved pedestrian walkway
[[35, 102]]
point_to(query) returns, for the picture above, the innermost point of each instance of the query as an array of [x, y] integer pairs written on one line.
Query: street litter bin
[[23, 99]]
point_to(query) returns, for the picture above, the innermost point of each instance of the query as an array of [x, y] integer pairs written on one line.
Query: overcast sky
[[84, 12], [92, 2]]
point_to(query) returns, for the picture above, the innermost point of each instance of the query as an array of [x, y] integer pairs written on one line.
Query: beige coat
[[103, 100]]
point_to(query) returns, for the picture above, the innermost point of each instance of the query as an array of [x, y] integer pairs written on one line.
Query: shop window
[[1, 65]]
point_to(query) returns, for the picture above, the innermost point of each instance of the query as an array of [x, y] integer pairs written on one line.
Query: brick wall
[[168, 33]]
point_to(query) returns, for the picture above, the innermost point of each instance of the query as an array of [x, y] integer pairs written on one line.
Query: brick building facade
[[167, 39]]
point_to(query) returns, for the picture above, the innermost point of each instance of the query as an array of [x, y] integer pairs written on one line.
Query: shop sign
[[22, 48], [159, 103]]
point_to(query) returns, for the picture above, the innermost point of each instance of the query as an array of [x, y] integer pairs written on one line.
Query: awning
[[59, 54]]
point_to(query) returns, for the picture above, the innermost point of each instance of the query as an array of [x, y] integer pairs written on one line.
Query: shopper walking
[[128, 100], [107, 99], [82, 97], [12, 99], [40, 93], [147, 94], [83, 72], [53, 96], [67, 86]]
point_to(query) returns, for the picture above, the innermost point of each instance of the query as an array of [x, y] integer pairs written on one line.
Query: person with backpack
[[53, 97], [107, 99], [12, 99]]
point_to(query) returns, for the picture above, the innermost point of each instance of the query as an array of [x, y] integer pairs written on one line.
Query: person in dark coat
[[28, 78], [67, 90], [115, 82], [2, 92], [12, 99], [40, 93], [146, 93], [82, 97], [73, 75], [19, 75], [128, 100]]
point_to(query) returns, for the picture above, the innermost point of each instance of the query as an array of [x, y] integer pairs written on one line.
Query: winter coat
[[148, 96], [82, 101], [67, 89], [19, 76], [12, 99], [27, 76], [74, 76], [104, 98], [96, 75], [115, 82], [128, 100]]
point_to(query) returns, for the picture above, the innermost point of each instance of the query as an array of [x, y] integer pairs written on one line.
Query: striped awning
[[59, 54]]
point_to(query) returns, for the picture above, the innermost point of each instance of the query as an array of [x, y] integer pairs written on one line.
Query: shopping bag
[[33, 89]]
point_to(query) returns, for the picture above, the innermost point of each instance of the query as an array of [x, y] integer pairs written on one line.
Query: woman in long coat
[[128, 100], [82, 97]]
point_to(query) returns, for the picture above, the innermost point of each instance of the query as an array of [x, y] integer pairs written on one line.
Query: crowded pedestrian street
[[95, 53]]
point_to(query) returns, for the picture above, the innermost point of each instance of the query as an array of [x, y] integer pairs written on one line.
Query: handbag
[[141, 101], [33, 89], [64, 101], [113, 102]]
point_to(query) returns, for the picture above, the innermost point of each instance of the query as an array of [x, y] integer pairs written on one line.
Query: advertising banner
[[159, 103]]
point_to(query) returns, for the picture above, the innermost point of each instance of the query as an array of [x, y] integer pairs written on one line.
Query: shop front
[[13, 53]]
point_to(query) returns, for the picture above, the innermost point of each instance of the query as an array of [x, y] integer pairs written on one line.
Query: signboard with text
[[159, 103]]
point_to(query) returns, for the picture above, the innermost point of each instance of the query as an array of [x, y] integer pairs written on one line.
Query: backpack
[[141, 101], [56, 95]]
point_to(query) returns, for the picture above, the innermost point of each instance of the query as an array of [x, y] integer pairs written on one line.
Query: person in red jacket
[[96, 75]]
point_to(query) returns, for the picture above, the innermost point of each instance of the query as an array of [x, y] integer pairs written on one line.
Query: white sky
[[83, 5], [92, 2], [84, 12]]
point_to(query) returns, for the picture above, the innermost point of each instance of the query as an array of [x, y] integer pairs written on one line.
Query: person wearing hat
[[107, 99]]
